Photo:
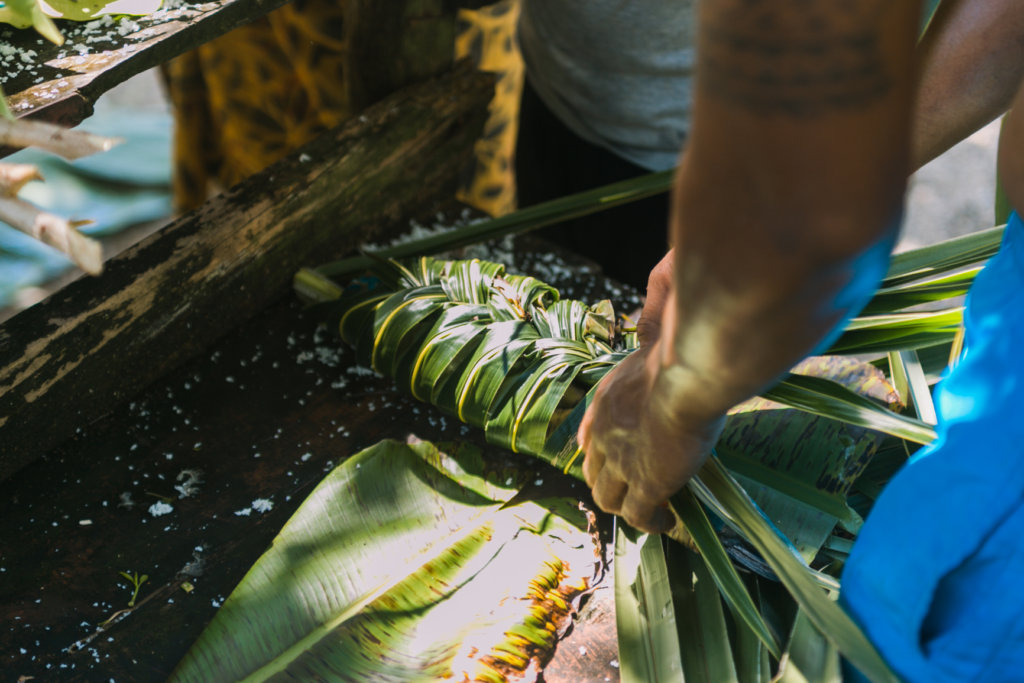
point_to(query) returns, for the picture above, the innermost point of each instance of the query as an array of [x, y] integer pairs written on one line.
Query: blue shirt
[[936, 576]]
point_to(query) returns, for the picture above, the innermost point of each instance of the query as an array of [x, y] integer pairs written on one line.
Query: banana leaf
[[798, 469], [405, 564]]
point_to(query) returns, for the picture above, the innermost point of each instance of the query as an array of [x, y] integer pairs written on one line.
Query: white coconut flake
[[160, 508], [362, 371], [260, 505]]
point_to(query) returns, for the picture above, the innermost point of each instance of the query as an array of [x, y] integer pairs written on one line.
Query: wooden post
[[72, 358]]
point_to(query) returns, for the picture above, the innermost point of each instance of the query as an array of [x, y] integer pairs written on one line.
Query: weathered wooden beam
[[61, 83], [70, 359]]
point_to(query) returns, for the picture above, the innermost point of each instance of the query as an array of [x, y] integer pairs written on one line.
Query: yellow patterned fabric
[[246, 99], [488, 37]]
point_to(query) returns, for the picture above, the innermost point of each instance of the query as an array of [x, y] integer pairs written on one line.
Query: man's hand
[[641, 443]]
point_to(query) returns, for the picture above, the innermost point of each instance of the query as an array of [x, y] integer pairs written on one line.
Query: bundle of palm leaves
[[782, 498]]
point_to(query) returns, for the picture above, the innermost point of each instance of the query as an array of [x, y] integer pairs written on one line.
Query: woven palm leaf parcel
[[503, 352]]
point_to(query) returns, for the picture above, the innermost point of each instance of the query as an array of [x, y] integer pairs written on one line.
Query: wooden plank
[[72, 358], [95, 58]]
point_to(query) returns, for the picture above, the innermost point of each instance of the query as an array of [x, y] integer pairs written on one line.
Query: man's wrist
[[681, 394]]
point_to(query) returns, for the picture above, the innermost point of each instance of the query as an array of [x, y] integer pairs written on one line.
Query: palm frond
[[506, 354], [523, 220]]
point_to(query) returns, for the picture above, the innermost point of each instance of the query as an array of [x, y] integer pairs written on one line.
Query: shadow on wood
[[74, 357]]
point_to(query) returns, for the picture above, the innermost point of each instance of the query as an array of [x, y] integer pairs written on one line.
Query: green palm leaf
[[523, 220], [715, 482], [644, 615], [899, 331], [811, 658], [704, 640], [829, 399], [928, 290], [943, 257], [716, 560]]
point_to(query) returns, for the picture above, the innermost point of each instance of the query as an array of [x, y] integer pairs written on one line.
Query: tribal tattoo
[[799, 58]]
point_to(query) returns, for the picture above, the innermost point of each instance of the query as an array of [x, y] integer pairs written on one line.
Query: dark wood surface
[[264, 413], [71, 359], [61, 83]]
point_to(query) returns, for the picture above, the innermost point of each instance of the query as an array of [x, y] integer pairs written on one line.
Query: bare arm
[[1011, 160], [796, 166], [972, 60]]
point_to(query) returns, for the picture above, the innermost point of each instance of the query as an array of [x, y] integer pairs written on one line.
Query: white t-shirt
[[616, 72]]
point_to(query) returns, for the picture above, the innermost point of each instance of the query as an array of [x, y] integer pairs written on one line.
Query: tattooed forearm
[[798, 58]]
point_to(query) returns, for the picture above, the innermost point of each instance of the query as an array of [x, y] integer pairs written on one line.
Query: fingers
[[615, 496], [642, 514], [609, 491], [628, 472], [593, 463]]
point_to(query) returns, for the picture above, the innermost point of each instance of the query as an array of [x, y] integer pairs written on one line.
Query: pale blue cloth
[[124, 186], [936, 577]]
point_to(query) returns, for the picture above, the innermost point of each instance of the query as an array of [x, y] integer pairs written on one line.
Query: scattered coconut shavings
[[260, 505], [160, 508], [361, 371]]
